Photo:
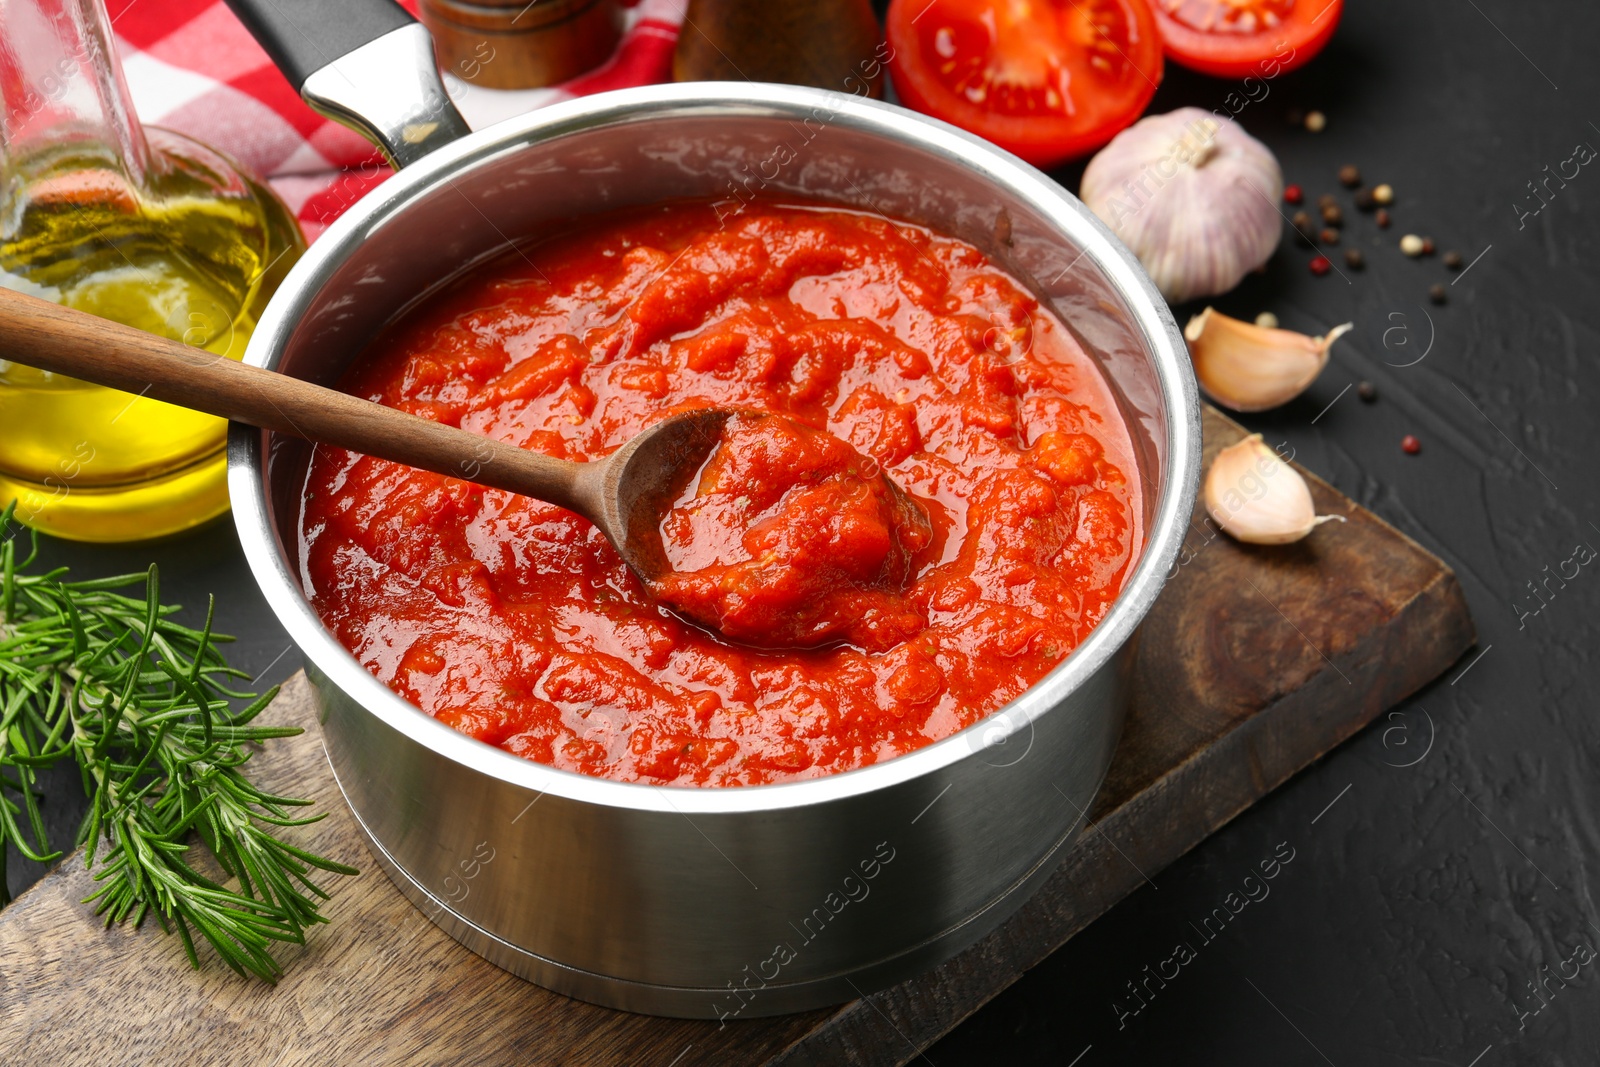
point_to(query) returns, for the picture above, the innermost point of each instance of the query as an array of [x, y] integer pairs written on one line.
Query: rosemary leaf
[[143, 705]]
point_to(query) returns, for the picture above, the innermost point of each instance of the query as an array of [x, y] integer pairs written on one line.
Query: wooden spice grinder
[[831, 44], [515, 44]]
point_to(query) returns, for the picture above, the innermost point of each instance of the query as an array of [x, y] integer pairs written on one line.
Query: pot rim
[[1166, 526]]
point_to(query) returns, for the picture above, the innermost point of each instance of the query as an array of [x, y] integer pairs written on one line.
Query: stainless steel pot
[[698, 902]]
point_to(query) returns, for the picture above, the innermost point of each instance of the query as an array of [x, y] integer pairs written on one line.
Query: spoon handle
[[41, 334]]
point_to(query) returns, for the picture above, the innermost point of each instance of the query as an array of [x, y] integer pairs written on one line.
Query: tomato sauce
[[515, 621], [791, 537]]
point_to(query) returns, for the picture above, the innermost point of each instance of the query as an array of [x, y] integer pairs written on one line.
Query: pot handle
[[364, 63]]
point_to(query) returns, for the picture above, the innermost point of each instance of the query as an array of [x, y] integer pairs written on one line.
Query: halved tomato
[[1047, 79], [1241, 38]]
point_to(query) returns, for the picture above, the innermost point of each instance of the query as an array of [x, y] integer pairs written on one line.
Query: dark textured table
[[1438, 908]]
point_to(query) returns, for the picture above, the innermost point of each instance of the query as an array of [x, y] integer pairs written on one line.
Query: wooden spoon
[[624, 494]]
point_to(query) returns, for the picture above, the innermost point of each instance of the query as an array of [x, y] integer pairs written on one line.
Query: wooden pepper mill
[[831, 44], [514, 44]]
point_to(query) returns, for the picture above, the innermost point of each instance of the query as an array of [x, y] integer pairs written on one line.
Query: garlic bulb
[[1251, 368], [1193, 196], [1258, 498]]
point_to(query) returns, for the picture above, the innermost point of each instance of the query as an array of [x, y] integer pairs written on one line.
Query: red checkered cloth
[[193, 68]]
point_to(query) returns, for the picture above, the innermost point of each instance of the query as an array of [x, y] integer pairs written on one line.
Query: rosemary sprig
[[143, 706]]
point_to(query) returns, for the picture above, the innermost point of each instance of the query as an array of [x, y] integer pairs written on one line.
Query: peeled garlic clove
[[1258, 498], [1251, 368], [1193, 196]]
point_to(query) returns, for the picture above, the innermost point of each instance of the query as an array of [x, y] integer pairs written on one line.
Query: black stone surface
[[1422, 902], [1445, 858]]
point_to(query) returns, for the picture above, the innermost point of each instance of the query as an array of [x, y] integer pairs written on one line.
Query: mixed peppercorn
[[1325, 228]]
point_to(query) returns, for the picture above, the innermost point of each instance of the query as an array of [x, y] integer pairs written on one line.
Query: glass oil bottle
[[142, 226]]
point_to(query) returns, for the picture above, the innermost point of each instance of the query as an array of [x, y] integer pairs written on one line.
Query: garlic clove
[[1251, 368], [1258, 498]]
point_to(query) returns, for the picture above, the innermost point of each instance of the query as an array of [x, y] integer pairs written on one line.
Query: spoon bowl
[[626, 493]]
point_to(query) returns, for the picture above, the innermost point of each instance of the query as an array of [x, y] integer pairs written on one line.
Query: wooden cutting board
[[1255, 662]]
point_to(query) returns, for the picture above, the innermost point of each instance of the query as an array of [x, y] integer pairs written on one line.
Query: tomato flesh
[[1048, 80], [791, 538], [1244, 38]]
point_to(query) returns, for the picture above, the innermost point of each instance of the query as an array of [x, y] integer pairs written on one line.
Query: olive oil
[[192, 252]]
